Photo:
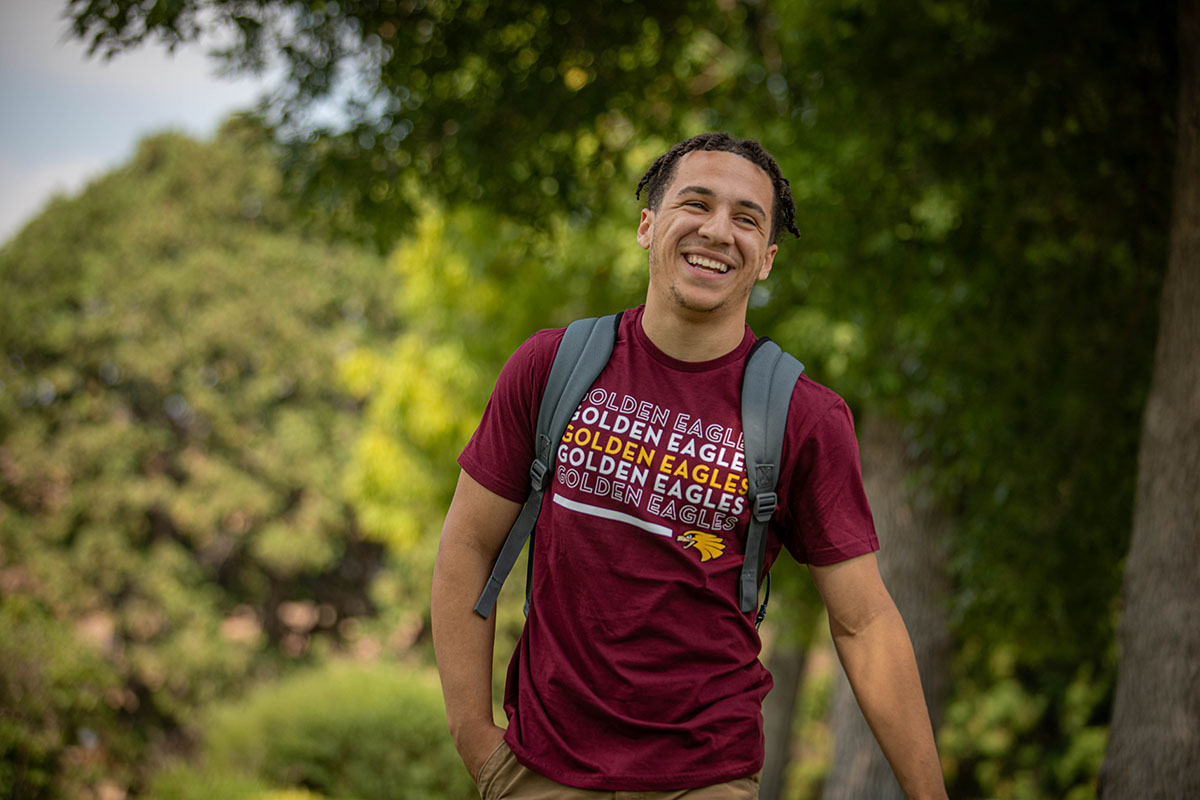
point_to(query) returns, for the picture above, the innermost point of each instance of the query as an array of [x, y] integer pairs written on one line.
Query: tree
[[172, 439], [526, 107], [1154, 744]]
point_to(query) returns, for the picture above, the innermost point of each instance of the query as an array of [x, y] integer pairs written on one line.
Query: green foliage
[[993, 248], [1009, 735], [172, 439], [186, 782], [56, 695], [526, 107], [812, 740], [366, 732]]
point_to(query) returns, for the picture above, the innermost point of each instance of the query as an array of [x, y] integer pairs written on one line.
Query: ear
[[645, 227], [768, 262]]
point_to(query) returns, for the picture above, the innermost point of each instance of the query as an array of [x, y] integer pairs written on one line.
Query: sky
[[65, 118]]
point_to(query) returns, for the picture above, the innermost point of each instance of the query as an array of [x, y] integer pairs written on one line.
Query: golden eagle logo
[[707, 545]]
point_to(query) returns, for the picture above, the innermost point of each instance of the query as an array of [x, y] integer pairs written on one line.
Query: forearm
[[463, 641], [882, 670], [475, 527]]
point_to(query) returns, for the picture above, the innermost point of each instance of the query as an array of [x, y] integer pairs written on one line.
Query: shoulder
[[825, 501], [537, 353], [529, 365], [816, 408], [530, 362], [541, 345]]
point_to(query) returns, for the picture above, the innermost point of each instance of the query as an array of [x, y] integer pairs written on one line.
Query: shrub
[[369, 732], [188, 782]]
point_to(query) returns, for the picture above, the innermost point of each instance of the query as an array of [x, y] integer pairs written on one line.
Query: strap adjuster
[[764, 505], [537, 474]]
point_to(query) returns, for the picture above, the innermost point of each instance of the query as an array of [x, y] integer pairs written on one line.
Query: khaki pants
[[504, 778]]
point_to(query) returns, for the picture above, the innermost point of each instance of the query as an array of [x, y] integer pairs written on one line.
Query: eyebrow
[[702, 190]]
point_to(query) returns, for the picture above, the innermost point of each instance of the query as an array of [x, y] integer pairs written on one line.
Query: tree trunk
[[787, 668], [1154, 741], [912, 561]]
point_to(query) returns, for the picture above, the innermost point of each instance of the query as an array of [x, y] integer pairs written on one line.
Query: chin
[[699, 305]]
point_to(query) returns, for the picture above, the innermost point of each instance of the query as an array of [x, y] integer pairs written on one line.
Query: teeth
[[707, 263]]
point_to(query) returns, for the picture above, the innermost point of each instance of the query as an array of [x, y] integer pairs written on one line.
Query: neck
[[692, 335]]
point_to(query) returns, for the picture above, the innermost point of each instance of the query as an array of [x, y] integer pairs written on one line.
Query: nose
[[718, 227]]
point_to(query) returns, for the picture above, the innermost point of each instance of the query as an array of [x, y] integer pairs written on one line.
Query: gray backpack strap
[[584, 350], [767, 385]]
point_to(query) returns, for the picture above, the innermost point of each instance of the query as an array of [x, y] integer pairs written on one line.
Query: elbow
[[864, 619]]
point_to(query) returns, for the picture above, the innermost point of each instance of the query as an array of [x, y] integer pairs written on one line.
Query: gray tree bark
[[912, 560], [1154, 741]]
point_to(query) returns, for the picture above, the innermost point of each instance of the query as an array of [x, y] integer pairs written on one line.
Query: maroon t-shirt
[[636, 669]]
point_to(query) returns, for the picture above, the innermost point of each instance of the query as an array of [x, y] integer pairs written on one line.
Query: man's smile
[[706, 263]]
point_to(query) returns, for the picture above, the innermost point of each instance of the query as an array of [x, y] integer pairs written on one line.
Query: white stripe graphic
[[605, 513]]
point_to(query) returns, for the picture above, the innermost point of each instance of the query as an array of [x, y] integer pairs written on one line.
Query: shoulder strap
[[767, 385], [584, 350]]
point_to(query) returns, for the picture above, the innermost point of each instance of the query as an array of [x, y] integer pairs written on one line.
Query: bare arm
[[472, 535], [876, 653]]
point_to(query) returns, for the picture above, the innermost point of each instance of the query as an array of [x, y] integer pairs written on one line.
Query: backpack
[[767, 384]]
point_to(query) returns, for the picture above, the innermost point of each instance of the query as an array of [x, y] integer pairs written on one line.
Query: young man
[[637, 670]]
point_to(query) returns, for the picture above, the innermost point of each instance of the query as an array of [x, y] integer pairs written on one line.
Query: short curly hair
[[662, 171]]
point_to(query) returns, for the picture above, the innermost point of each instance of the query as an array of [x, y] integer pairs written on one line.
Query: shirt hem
[[635, 783], [480, 475], [835, 555]]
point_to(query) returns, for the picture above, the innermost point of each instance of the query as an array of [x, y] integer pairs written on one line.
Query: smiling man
[[637, 670]]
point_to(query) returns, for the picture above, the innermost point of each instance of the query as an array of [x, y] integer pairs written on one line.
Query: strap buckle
[[537, 473], [764, 505]]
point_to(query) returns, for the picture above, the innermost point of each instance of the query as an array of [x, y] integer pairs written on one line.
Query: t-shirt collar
[[633, 323]]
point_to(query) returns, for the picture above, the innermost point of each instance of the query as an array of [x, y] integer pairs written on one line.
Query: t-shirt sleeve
[[830, 519], [501, 449]]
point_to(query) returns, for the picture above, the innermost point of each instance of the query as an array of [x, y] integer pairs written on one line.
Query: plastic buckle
[[764, 506], [537, 473]]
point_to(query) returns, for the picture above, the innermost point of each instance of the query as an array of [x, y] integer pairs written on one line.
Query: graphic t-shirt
[[636, 669]]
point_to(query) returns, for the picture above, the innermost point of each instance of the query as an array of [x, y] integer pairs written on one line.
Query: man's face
[[709, 240]]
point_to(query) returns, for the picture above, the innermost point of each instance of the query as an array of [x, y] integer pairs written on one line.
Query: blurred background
[[243, 348]]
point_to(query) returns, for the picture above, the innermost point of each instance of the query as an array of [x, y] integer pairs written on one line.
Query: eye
[[695, 204]]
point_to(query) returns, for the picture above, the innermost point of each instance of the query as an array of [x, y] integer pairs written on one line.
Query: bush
[[348, 731], [187, 782]]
